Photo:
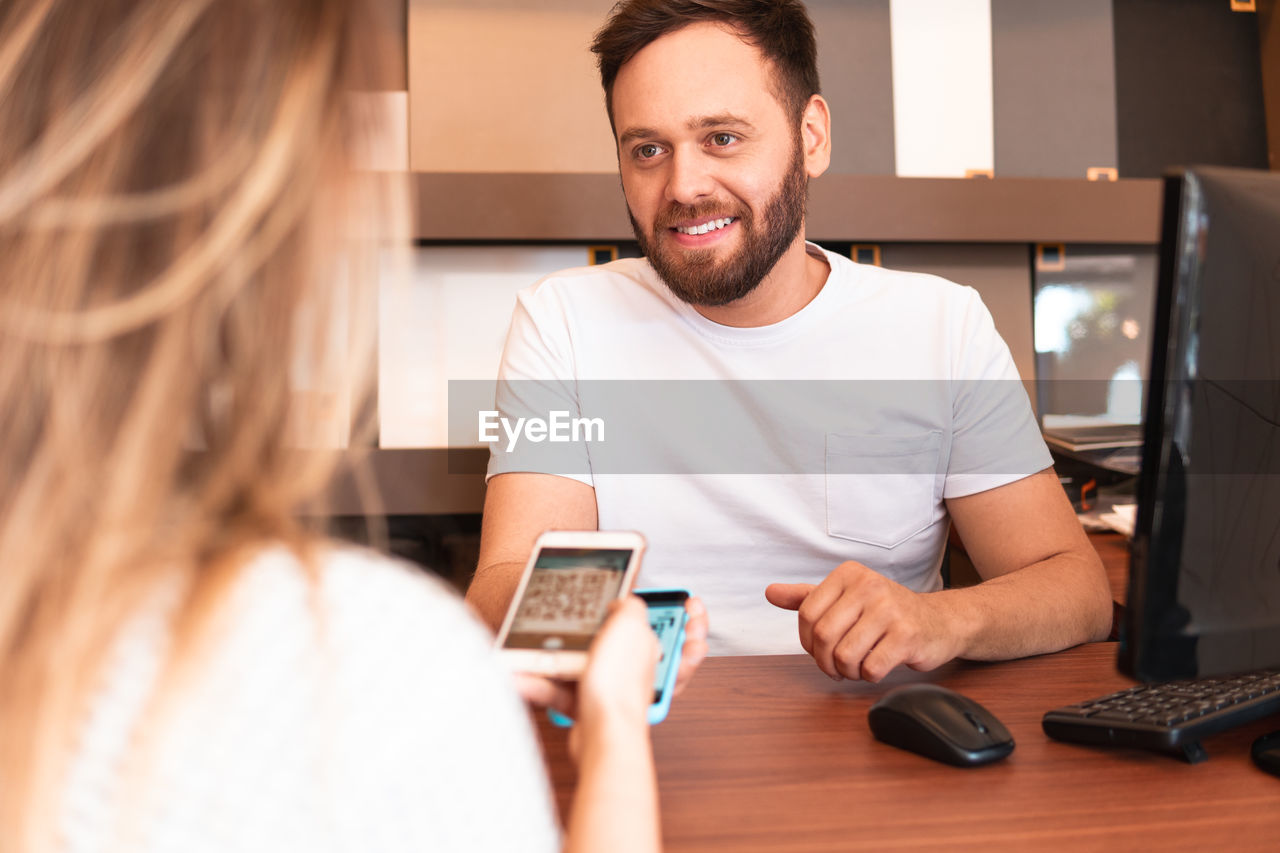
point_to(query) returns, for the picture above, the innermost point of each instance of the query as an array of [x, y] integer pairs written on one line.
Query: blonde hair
[[178, 227]]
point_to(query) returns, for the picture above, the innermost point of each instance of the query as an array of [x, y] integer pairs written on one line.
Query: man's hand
[[695, 643], [859, 624]]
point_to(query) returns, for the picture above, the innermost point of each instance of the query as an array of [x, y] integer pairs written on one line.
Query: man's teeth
[[713, 225]]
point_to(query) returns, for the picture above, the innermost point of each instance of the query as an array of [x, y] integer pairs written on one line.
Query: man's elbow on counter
[[1101, 608]]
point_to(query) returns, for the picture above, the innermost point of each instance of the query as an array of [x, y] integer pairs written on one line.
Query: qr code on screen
[[567, 600]]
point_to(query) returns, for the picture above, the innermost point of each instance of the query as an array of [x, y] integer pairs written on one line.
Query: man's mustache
[[676, 214]]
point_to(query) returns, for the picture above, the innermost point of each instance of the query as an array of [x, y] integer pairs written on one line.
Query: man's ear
[[815, 135]]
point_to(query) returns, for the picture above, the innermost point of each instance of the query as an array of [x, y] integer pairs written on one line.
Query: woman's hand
[[617, 684]]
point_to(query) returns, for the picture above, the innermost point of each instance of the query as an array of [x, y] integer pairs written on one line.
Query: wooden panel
[[1269, 38], [1055, 87], [856, 69], [861, 208], [872, 208], [413, 482], [504, 86], [521, 206], [390, 72], [1188, 86]]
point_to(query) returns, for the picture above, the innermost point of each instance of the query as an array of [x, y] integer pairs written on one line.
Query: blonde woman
[[183, 666]]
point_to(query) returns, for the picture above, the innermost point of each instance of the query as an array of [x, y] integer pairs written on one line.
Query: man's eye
[[723, 139], [648, 152]]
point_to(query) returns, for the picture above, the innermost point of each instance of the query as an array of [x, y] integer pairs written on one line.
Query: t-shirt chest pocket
[[882, 489]]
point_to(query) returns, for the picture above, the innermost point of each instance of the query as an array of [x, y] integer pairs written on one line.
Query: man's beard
[[695, 276]]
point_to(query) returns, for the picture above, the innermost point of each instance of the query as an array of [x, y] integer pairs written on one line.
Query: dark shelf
[[522, 207]]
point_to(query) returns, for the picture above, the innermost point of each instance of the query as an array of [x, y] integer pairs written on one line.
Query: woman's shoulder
[[332, 682], [343, 583], [368, 624]]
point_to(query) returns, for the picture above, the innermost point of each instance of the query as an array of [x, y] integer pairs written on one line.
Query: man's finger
[[696, 628], [852, 650], [694, 653], [883, 657], [697, 625], [814, 608], [788, 596], [842, 619]]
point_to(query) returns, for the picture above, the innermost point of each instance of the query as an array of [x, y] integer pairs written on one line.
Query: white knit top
[[387, 724]]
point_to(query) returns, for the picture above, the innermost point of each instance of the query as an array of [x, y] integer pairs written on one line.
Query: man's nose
[[690, 180]]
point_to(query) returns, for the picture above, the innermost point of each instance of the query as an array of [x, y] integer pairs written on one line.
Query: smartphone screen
[[666, 617], [567, 598]]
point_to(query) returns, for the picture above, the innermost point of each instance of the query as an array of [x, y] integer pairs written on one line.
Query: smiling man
[[719, 126]]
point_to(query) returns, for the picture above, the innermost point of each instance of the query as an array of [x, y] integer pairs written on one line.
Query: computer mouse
[[1266, 753], [940, 724]]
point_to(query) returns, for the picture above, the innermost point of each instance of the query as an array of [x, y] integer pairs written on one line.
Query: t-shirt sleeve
[[537, 384], [437, 749], [995, 437]]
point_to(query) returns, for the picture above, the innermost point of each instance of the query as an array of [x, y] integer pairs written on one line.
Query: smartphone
[[563, 597], [666, 617]]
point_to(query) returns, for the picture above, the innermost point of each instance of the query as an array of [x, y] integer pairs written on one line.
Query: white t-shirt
[[385, 724], [753, 455]]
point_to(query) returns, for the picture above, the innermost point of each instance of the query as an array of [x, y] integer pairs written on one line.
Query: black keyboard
[[1170, 717]]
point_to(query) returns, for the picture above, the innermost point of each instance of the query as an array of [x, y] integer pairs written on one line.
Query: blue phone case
[[658, 710]]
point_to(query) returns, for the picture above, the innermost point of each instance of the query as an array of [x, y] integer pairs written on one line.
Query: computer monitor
[[1204, 585]]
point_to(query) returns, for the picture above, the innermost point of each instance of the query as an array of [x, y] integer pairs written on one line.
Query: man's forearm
[[517, 508], [491, 591], [1045, 586], [1059, 602]]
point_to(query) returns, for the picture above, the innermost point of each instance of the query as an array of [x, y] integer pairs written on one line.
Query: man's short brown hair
[[780, 29]]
